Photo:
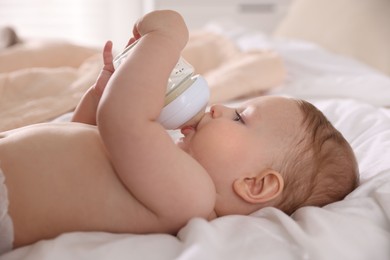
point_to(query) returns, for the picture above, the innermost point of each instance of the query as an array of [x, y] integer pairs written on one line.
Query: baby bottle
[[186, 96]]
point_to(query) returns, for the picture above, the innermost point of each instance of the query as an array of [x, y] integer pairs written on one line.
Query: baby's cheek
[[219, 149]]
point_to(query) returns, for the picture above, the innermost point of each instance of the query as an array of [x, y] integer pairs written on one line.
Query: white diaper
[[6, 226]]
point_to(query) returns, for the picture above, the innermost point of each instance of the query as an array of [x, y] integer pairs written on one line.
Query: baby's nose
[[219, 111]]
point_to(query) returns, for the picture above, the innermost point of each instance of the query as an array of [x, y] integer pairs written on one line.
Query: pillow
[[358, 29]]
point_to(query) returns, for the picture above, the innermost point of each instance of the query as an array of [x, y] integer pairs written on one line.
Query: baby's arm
[[170, 184], [86, 110]]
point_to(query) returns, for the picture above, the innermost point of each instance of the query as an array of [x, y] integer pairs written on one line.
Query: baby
[[116, 169]]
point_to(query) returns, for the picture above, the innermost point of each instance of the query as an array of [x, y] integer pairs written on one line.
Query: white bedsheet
[[314, 72], [356, 228]]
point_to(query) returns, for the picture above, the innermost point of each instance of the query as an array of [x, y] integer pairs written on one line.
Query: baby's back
[[59, 179]]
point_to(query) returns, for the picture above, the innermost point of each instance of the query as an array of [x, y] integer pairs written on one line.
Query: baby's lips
[[187, 129]]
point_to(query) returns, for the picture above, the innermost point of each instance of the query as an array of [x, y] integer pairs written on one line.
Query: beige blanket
[[40, 81]]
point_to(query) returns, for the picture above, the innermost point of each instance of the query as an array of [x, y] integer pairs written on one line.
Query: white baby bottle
[[186, 97]]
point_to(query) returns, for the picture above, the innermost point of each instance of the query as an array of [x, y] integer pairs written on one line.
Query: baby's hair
[[321, 167]]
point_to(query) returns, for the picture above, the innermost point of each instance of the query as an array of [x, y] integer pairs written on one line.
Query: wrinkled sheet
[[313, 72]]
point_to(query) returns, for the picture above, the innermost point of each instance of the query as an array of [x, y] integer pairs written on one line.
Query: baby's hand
[[164, 22], [86, 110], [107, 71]]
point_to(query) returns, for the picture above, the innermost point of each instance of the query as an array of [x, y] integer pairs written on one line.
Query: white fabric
[[357, 227], [6, 226], [316, 73], [313, 72], [349, 27]]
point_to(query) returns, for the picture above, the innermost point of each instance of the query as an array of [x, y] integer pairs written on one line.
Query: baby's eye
[[238, 117]]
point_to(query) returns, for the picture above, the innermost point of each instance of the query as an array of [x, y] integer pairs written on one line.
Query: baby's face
[[233, 142]]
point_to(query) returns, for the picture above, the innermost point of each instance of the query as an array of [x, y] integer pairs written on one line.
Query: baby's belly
[[59, 179]]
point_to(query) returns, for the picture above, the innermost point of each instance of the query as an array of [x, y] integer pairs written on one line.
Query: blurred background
[[92, 22]]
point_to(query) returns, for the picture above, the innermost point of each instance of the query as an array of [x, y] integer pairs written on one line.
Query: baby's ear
[[260, 188]]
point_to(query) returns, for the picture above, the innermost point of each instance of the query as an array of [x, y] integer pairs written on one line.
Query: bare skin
[[59, 179]]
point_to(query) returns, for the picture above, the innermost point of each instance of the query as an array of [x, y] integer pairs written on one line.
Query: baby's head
[[321, 168], [272, 151]]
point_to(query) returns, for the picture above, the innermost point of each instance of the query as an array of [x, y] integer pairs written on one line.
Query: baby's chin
[[181, 143], [185, 142]]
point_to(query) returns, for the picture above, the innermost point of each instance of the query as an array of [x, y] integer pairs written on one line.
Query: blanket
[[43, 80], [37, 85]]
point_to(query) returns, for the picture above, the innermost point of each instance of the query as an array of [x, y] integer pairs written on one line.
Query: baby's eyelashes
[[238, 117]]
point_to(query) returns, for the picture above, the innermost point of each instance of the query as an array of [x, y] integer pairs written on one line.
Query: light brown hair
[[320, 168]]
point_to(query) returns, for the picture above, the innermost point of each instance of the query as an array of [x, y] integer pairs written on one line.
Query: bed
[[352, 90]]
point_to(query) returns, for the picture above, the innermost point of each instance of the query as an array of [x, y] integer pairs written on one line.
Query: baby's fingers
[[130, 42], [107, 57]]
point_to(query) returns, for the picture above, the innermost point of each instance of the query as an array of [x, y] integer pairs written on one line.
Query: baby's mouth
[[192, 124], [187, 129]]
